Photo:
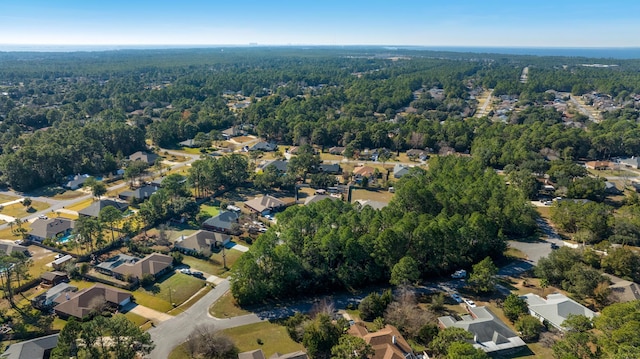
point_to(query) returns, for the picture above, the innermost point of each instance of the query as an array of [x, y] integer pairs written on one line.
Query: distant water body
[[613, 53]]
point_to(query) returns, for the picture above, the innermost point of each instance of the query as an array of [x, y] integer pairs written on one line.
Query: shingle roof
[[94, 209], [318, 198], [48, 228], [254, 354], [201, 241], [31, 349], [387, 343], [9, 247], [152, 264], [556, 308], [139, 193], [224, 220], [82, 303], [260, 204], [147, 157], [50, 276]]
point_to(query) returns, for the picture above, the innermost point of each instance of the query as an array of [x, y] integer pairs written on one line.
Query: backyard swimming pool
[[65, 238]]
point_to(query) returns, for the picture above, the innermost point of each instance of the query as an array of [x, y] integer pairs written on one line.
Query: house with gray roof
[[222, 223], [42, 229], [400, 170], [611, 188], [264, 204], [555, 309], [232, 132], [146, 157], [318, 197], [490, 334], [280, 165], [201, 243], [332, 168], [623, 290], [38, 348], [10, 247], [46, 300], [107, 267], [140, 193], [75, 182], [264, 146], [94, 209], [191, 143]]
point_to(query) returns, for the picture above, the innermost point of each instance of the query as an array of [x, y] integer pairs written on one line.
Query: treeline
[[449, 217]]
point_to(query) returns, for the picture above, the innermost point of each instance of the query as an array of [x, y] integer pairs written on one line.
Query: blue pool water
[[65, 238]]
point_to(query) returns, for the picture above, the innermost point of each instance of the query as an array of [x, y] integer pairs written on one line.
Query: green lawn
[[211, 210], [17, 210], [273, 336], [136, 319], [175, 288], [7, 198], [215, 263], [226, 307], [186, 305]]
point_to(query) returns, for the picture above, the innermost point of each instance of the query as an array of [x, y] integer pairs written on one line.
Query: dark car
[[197, 274], [554, 246]]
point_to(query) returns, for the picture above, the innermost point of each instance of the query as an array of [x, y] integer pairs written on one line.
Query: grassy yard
[[17, 210], [81, 205], [186, 305], [7, 198], [68, 195], [226, 307], [175, 288], [136, 319], [273, 336], [215, 264], [380, 196], [211, 210]]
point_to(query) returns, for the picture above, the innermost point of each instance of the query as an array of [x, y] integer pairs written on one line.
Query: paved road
[[585, 111], [483, 110]]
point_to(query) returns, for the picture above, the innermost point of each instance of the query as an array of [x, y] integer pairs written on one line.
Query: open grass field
[[17, 210], [211, 210], [136, 319], [226, 307], [191, 301], [6, 233], [215, 264], [174, 288], [7, 198], [80, 205], [273, 336], [380, 196], [68, 195]]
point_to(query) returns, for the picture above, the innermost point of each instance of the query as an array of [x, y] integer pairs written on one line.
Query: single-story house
[[94, 209], [154, 264], [264, 146], [373, 204], [555, 309], [280, 165], [46, 300], [84, 302], [633, 162], [400, 170], [10, 247], [337, 150], [53, 278], [107, 267], [422, 155], [146, 157], [191, 143], [259, 354], [76, 181], [623, 290], [363, 171], [138, 193], [201, 243], [490, 334], [232, 132], [597, 165], [264, 205], [333, 168], [610, 188], [42, 229], [317, 198], [223, 222], [38, 348], [61, 262], [386, 343]]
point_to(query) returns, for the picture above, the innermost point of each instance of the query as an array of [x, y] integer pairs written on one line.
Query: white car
[[42, 216], [469, 302], [456, 297], [58, 256], [459, 274], [185, 270]]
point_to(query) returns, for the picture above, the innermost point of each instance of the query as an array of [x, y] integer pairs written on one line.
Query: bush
[[529, 328], [147, 279], [514, 306]]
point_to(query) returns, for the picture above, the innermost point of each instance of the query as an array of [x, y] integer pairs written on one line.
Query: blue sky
[[493, 23]]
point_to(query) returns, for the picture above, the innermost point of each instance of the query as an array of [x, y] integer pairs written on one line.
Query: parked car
[[469, 302], [197, 274], [185, 270], [456, 297], [42, 216], [554, 246], [459, 274], [58, 256]]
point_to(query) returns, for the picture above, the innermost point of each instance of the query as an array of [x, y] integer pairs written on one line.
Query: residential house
[[387, 343], [53, 278], [623, 290], [373, 204], [264, 147], [10, 247], [42, 229], [332, 168], [38, 348], [555, 309], [279, 165], [94, 209], [46, 300], [61, 262], [422, 155], [155, 264], [223, 222], [318, 198], [363, 171], [400, 170], [83, 303], [146, 157], [598, 165], [107, 267], [490, 334], [259, 354], [264, 205], [191, 143], [76, 181], [610, 188], [201, 243], [141, 193], [337, 150], [232, 132], [633, 162]]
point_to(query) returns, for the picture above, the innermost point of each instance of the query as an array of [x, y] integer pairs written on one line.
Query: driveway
[[151, 314]]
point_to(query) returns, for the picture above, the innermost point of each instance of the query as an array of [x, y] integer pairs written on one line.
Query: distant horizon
[[618, 53]]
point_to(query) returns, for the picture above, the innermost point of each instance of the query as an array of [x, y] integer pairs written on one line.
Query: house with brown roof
[[201, 243], [53, 278], [363, 171], [337, 150], [42, 229], [146, 157], [387, 343], [154, 264], [264, 205], [598, 165], [623, 290], [85, 302]]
